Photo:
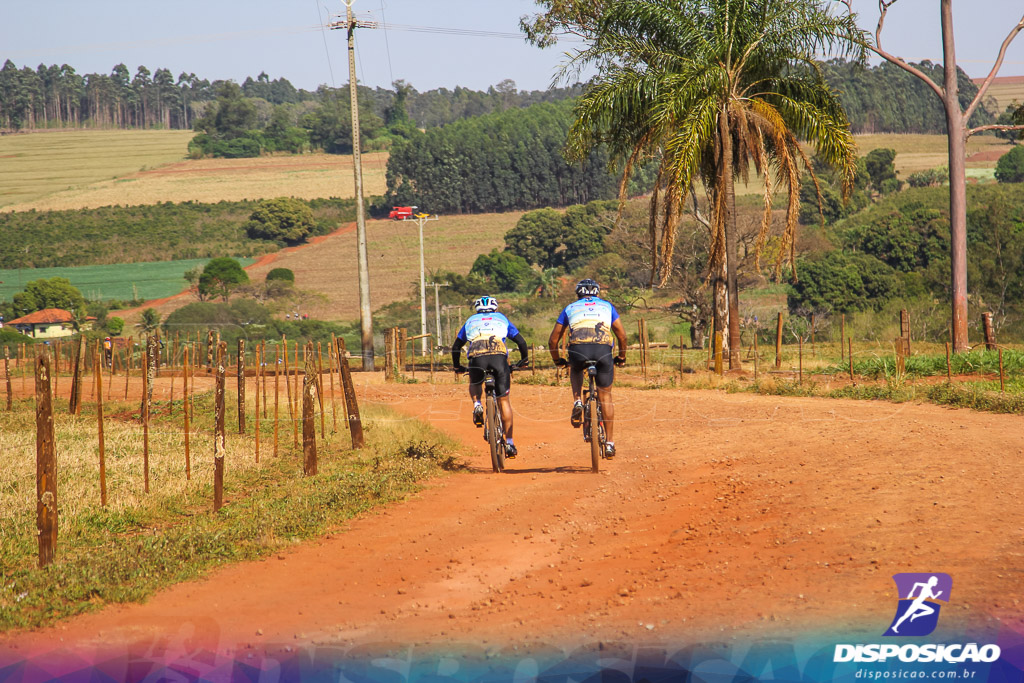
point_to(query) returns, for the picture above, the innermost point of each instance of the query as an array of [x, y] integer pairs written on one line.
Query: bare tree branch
[[982, 129], [995, 69], [883, 8]]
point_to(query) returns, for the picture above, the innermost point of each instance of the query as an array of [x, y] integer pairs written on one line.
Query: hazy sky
[[216, 39]]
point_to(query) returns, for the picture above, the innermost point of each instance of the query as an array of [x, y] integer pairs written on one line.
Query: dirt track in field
[[724, 515]]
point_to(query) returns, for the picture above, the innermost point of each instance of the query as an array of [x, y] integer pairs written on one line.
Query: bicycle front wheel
[[495, 439], [593, 426]]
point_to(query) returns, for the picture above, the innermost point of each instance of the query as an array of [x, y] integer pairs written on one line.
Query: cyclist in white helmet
[[486, 333], [591, 322]]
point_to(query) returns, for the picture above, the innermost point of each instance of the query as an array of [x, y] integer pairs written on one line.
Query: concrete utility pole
[[437, 308], [365, 317], [422, 218]]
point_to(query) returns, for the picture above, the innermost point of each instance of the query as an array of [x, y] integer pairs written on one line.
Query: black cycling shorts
[[495, 364], [602, 353]]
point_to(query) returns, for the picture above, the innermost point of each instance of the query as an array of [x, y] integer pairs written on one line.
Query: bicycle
[[593, 420], [494, 425]]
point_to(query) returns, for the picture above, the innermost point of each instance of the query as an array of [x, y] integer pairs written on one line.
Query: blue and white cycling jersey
[[485, 333], [589, 320]]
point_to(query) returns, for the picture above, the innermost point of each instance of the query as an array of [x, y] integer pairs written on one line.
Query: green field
[[123, 281], [35, 165]]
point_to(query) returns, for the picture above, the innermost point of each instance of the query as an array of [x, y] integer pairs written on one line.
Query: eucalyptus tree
[[715, 90]]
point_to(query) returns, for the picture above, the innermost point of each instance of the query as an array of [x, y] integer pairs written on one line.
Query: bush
[[842, 282], [284, 219], [281, 274], [115, 325], [508, 272], [551, 239], [1010, 167]]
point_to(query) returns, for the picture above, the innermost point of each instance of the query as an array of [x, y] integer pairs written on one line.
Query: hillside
[[77, 169], [1005, 89]]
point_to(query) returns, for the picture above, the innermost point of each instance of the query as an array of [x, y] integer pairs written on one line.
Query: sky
[[216, 39]]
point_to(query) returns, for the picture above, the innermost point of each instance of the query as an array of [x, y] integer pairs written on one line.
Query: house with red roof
[[48, 323]]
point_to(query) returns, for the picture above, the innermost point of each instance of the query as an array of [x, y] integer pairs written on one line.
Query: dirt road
[[725, 515]]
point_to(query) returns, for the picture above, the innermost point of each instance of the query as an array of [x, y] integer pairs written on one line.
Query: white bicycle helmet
[[485, 304]]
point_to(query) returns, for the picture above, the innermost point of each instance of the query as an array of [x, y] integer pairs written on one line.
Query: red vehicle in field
[[400, 213]]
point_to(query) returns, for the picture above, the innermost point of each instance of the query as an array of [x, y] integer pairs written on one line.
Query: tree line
[[500, 162], [877, 99], [52, 96]]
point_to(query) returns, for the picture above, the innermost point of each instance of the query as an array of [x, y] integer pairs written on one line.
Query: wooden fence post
[[842, 336], [98, 369], [330, 370], [682, 369], [949, 366], [145, 419], [7, 375], [355, 425], [263, 375], [990, 335], [778, 343], [719, 366], [295, 397], [755, 355], [1002, 377], [320, 386], [46, 463], [209, 350], [256, 425], [240, 372], [75, 397], [219, 438], [185, 363], [277, 393], [308, 421], [850, 354], [905, 331], [800, 366], [812, 334]]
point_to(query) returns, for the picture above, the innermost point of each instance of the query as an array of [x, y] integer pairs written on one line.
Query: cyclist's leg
[[604, 397], [502, 386], [476, 380], [506, 415], [604, 379]]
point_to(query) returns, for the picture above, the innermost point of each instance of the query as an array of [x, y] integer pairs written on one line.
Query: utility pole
[[365, 318], [437, 308], [422, 218]]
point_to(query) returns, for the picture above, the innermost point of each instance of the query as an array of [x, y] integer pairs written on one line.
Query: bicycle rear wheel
[[595, 434], [495, 439]]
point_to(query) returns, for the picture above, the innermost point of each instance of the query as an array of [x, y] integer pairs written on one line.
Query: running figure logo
[[918, 611]]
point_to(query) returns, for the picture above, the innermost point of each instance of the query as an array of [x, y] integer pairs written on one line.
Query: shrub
[[281, 274], [284, 219], [843, 282], [115, 325], [508, 272], [1010, 167]]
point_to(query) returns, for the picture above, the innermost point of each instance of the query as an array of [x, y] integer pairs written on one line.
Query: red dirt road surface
[[724, 516]]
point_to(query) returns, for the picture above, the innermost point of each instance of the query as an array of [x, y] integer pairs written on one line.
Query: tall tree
[[958, 130], [715, 89]]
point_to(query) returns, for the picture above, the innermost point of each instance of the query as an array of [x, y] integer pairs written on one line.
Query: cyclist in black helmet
[[485, 334], [591, 322]]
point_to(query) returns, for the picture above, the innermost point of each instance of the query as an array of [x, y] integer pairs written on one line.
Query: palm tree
[[716, 89]]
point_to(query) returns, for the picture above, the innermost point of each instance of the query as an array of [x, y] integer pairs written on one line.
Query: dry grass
[[1006, 90], [307, 176], [329, 268], [38, 165]]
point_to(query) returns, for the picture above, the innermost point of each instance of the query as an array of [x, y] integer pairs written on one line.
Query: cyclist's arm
[[620, 334], [457, 352], [556, 336], [524, 350]]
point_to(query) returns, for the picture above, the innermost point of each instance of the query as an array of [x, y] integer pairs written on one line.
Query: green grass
[[121, 281], [141, 542], [970, 363], [38, 164]]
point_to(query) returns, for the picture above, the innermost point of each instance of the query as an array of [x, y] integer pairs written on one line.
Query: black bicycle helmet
[[586, 288]]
